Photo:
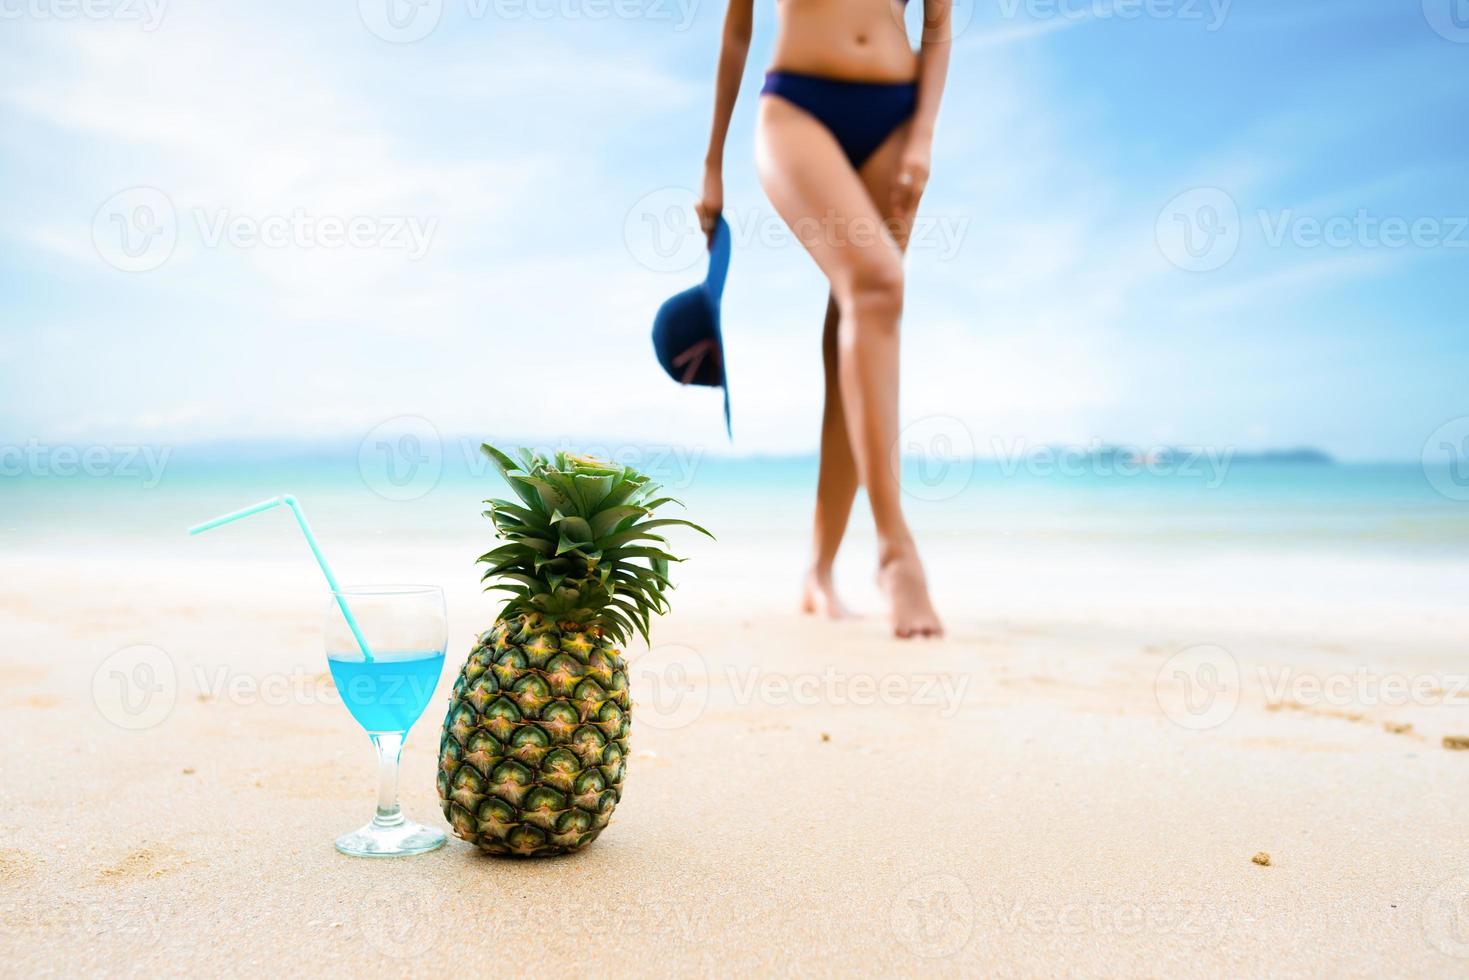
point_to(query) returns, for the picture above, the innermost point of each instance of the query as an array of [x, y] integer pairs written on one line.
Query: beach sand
[[1024, 798]]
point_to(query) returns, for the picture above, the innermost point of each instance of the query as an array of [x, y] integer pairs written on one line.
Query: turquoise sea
[[143, 497]]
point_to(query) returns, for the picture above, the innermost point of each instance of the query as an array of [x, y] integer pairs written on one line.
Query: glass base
[[398, 839]]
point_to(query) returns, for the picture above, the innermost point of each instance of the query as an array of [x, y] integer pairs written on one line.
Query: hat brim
[[719, 249], [723, 370]]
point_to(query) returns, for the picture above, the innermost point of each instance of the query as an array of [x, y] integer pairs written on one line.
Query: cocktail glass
[[405, 627]]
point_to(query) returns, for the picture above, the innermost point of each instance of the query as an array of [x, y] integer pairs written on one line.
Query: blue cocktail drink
[[390, 692], [386, 671]]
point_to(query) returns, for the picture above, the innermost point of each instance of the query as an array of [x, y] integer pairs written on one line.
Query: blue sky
[[506, 173]]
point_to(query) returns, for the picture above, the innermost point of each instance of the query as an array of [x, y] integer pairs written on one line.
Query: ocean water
[[1310, 548], [1088, 503]]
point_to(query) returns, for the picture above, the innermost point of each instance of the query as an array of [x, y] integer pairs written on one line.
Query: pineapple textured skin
[[534, 746], [533, 752]]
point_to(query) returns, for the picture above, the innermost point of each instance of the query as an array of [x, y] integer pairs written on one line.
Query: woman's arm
[[933, 69], [738, 25]]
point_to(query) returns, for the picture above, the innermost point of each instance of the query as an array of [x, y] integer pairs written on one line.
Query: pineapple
[[534, 745]]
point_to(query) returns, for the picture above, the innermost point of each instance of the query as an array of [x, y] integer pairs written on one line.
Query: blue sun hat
[[686, 333]]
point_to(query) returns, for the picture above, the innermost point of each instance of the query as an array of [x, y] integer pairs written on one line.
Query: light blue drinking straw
[[326, 569]]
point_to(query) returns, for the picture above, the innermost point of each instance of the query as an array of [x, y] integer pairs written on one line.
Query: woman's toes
[[912, 611]]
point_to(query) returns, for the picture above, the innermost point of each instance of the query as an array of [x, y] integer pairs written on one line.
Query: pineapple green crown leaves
[[580, 545]]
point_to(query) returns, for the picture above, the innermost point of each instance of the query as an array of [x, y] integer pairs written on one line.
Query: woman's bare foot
[[901, 578], [819, 596]]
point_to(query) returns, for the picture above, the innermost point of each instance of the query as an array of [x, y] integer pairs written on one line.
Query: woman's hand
[[911, 178], [711, 200]]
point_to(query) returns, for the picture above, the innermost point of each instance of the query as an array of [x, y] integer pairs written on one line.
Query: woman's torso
[[858, 40]]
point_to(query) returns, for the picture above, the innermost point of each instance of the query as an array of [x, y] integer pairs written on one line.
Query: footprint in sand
[[15, 866], [144, 862], [1356, 717], [14, 675], [22, 676], [39, 701]]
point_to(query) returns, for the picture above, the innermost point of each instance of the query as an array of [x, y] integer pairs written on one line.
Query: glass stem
[[389, 747]]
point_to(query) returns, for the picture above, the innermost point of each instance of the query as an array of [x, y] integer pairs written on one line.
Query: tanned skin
[[865, 219]]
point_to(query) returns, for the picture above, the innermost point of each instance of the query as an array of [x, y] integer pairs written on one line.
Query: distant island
[[1303, 455], [1164, 455]]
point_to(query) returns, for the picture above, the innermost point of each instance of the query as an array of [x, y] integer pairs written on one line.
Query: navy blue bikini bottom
[[859, 114]]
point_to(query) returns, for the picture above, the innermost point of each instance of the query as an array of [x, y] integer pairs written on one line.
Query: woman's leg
[[900, 571], [811, 184], [836, 484]]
